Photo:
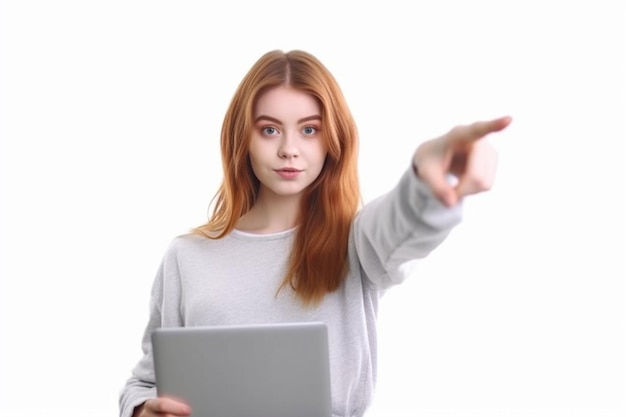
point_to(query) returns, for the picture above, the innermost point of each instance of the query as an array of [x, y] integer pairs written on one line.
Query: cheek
[[317, 150], [256, 152], [255, 164], [323, 154], [253, 157], [319, 162]]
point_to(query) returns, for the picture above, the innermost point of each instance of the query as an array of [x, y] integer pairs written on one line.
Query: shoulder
[[184, 241], [185, 244], [193, 243]]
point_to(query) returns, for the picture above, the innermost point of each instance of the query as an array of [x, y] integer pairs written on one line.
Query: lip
[[288, 172]]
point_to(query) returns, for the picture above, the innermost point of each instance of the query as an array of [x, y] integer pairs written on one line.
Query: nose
[[287, 148]]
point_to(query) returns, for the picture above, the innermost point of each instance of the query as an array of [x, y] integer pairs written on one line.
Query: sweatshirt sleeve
[[164, 311], [394, 231]]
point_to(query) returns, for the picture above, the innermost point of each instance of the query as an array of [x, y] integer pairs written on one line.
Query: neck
[[271, 214]]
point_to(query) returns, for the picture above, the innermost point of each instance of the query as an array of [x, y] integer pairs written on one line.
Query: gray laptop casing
[[267, 370]]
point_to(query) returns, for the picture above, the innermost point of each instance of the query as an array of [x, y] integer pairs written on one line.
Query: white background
[[109, 124]]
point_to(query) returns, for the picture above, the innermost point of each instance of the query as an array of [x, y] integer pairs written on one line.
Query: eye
[[269, 130], [309, 130]]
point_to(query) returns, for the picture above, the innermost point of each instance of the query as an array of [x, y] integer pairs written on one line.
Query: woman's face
[[287, 150]]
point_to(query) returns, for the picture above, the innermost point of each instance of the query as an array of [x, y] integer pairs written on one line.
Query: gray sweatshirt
[[234, 280]]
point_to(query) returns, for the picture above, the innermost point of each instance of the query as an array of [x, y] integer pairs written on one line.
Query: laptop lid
[[267, 370]]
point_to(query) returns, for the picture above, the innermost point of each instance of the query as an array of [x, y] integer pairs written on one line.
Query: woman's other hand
[[162, 407]]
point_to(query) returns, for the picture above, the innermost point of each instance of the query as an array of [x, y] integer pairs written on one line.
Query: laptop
[[266, 370]]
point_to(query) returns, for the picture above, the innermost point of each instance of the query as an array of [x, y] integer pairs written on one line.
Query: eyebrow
[[275, 120]]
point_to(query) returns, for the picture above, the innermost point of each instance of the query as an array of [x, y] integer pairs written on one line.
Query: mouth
[[288, 173]]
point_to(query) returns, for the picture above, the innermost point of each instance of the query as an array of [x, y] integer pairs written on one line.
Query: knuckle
[[458, 130], [483, 184]]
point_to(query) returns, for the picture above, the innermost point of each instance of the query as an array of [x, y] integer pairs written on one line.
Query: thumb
[[439, 185], [466, 187]]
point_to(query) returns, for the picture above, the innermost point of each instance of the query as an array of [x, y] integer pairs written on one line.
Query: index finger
[[481, 129]]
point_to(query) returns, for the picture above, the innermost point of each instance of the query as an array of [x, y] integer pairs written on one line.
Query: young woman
[[288, 240]]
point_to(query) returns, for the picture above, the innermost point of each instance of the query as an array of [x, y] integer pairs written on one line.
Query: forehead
[[286, 103]]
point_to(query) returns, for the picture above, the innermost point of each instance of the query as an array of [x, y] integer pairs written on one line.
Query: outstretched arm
[[464, 153], [394, 231]]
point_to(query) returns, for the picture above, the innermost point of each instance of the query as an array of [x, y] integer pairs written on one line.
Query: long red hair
[[318, 263]]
